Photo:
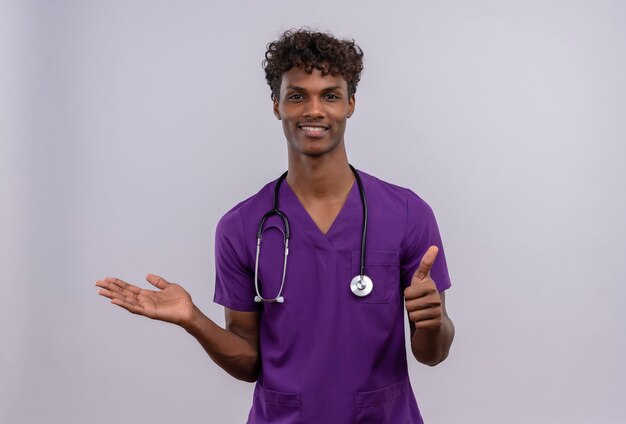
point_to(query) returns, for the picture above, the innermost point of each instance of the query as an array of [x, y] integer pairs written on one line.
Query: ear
[[351, 105], [275, 107]]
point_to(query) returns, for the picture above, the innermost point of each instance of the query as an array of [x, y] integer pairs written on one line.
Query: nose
[[313, 109]]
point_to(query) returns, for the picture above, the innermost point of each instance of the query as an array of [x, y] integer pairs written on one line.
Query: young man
[[315, 291]]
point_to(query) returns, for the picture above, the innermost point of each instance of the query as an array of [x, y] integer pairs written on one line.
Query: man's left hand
[[421, 298]]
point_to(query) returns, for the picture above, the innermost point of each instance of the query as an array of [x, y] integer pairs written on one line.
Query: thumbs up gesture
[[421, 298]]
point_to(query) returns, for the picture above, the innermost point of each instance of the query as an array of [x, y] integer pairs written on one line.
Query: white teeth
[[317, 129]]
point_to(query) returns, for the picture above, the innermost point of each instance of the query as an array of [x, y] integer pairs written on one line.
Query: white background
[[128, 128]]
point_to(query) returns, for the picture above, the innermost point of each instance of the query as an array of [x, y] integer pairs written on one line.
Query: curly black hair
[[307, 49]]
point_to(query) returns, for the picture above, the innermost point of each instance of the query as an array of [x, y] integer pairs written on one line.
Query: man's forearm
[[431, 347], [228, 350]]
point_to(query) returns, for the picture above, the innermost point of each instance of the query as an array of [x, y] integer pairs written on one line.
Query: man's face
[[313, 109]]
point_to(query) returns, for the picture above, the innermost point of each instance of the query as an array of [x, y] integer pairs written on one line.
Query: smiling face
[[313, 109]]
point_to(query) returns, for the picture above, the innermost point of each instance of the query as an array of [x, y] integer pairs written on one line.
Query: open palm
[[170, 303]]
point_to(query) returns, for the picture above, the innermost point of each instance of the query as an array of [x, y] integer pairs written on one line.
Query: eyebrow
[[325, 90]]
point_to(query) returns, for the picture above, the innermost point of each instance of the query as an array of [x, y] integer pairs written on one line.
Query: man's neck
[[321, 177]]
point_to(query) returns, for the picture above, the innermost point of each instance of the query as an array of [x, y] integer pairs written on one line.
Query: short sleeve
[[421, 233], [234, 278]]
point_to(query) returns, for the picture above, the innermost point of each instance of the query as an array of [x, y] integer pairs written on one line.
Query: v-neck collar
[[302, 218]]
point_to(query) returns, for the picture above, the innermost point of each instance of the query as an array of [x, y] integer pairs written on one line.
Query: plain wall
[[127, 128]]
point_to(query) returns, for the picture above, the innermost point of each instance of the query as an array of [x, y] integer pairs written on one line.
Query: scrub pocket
[[383, 267], [275, 407], [386, 405]]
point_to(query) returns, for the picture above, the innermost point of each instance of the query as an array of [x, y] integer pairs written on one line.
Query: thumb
[[156, 281], [426, 264]]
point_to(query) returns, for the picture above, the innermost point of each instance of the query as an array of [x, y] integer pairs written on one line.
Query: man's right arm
[[236, 348]]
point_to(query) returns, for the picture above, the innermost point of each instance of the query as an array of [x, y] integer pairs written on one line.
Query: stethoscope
[[361, 285]]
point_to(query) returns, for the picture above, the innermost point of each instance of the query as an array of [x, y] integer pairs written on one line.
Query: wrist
[[192, 323], [431, 346]]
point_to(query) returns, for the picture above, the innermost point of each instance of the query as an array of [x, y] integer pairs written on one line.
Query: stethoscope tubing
[[364, 230], [361, 284]]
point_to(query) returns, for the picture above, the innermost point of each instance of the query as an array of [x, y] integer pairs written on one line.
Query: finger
[[157, 281], [111, 294], [108, 285], [420, 288], [115, 284], [425, 315], [427, 263], [114, 291], [433, 324], [128, 298], [129, 306], [423, 304]]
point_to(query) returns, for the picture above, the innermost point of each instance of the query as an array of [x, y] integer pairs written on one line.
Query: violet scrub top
[[328, 356]]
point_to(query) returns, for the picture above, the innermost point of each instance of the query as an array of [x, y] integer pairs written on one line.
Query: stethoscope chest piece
[[361, 285]]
